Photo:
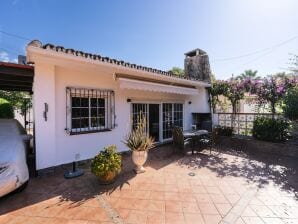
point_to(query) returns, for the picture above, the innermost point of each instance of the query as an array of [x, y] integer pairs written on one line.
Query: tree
[[235, 92], [248, 74], [217, 89], [177, 71], [291, 104], [19, 100], [272, 90]]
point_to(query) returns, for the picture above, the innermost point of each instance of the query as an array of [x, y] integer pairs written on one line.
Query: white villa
[[83, 102]]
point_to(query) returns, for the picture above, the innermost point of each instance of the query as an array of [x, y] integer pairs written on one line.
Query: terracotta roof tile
[[78, 53]]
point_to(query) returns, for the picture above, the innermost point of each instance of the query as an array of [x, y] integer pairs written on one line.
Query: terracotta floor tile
[[173, 206], [157, 195], [252, 220], [123, 213], [187, 197], [193, 218], [174, 218], [212, 219], [233, 198], [201, 198], [156, 217], [91, 213], [213, 190], [199, 190], [173, 196], [219, 198], [208, 208], [190, 207], [248, 212], [223, 208], [137, 217], [273, 220], [262, 211], [156, 206]]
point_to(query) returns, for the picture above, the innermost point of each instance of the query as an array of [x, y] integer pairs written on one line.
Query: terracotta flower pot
[[139, 158], [108, 178]]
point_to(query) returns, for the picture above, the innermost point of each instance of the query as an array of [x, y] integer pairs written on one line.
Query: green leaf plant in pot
[[106, 165], [139, 142]]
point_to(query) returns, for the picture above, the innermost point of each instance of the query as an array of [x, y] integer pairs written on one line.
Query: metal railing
[[242, 123]]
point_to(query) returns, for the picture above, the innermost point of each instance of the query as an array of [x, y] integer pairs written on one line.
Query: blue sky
[[157, 33]]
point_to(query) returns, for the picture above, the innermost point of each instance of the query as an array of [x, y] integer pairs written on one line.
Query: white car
[[14, 172]]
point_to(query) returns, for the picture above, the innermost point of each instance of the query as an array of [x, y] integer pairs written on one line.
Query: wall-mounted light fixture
[[128, 100], [45, 112]]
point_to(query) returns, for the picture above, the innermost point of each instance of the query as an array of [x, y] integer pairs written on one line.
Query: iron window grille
[[89, 110]]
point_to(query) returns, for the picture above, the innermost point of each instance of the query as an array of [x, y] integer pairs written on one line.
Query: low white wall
[[54, 146]]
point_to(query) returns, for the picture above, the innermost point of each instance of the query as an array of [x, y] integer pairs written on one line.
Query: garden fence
[[243, 122]]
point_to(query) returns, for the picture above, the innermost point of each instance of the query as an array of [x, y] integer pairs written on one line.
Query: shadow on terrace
[[259, 168], [55, 191]]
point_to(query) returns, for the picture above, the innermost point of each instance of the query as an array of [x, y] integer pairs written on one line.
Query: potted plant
[[107, 164], [139, 143]]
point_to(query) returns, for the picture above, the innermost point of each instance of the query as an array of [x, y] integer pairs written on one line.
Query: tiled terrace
[[227, 187]]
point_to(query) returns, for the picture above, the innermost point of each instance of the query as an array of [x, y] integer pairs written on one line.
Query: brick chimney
[[196, 65]]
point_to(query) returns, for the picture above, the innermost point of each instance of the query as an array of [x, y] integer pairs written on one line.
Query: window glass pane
[[75, 102], [101, 102], [93, 112], [75, 123], [93, 102], [84, 122], [84, 112], [94, 122], [101, 112], [84, 102], [75, 112]]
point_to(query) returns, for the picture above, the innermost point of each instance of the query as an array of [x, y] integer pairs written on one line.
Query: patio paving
[[224, 187]]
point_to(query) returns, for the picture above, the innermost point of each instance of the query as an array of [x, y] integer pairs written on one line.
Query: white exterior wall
[[54, 146]]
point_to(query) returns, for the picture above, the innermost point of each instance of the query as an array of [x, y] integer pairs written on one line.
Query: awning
[[126, 83], [16, 77]]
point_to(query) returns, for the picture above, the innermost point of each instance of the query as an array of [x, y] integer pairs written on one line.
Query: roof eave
[[31, 50]]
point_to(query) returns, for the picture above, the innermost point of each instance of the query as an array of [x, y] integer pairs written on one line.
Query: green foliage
[[107, 160], [291, 104], [6, 109], [19, 100], [218, 88], [248, 74], [224, 131], [177, 71], [269, 129], [138, 139]]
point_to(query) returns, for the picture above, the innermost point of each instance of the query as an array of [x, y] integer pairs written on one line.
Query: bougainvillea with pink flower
[[271, 90]]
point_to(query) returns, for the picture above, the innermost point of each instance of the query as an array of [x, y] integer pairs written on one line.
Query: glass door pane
[[172, 115], [167, 120], [138, 110]]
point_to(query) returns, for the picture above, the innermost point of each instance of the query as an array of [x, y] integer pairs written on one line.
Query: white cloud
[[4, 56]]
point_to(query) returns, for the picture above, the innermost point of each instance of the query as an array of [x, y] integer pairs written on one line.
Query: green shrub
[[106, 161], [6, 109], [224, 131], [269, 129], [291, 104]]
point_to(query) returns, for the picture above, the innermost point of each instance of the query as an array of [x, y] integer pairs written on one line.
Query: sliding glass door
[[172, 115]]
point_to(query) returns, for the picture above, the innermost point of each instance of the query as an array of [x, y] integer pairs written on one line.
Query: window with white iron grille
[[89, 110]]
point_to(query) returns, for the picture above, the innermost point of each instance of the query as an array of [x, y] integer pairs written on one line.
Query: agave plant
[[138, 139]]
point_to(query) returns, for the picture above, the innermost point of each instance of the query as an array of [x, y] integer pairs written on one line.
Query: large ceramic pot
[[139, 158]]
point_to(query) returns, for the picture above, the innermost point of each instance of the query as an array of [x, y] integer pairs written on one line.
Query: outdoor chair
[[180, 143], [208, 141]]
